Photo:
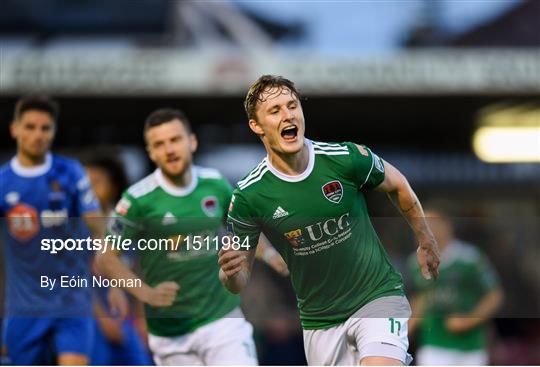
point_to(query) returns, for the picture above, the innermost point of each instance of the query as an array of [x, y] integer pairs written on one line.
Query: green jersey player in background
[[450, 317], [191, 318], [306, 197]]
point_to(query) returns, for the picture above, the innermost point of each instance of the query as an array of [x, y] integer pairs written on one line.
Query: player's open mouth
[[173, 159], [289, 133]]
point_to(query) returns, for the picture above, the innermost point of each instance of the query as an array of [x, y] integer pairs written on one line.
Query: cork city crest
[[210, 206], [333, 191]]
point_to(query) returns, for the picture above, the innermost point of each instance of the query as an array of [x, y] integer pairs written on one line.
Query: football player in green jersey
[[191, 318], [306, 197], [451, 315]]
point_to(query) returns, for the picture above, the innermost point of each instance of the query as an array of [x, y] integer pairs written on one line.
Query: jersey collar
[[33, 171], [175, 190], [303, 175]]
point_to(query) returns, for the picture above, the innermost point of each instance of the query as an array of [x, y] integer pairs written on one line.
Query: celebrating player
[[191, 318], [451, 315], [306, 197], [39, 194]]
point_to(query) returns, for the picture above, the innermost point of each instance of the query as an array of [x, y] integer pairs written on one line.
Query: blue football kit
[[45, 202]]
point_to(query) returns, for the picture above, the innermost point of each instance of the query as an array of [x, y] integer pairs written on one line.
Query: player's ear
[[194, 143], [151, 153], [13, 127], [255, 127]]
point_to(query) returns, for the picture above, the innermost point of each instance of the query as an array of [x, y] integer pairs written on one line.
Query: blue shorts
[[31, 341], [131, 352]]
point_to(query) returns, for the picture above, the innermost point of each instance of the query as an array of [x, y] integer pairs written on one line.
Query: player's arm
[[403, 197], [267, 253], [126, 222], [110, 265], [487, 306], [110, 327], [483, 312], [418, 307], [95, 223], [235, 268], [236, 265]]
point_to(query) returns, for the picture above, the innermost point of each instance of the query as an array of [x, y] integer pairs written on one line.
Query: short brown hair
[[261, 85], [164, 115], [36, 102]]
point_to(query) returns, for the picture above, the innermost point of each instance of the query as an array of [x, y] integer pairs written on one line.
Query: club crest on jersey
[[23, 222], [295, 238], [210, 205], [333, 191]]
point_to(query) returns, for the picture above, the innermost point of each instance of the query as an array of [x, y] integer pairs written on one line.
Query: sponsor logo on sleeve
[[123, 206], [83, 183], [378, 163], [231, 205], [363, 150]]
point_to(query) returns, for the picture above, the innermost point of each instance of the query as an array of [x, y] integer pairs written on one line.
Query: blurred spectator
[[117, 341], [451, 313]]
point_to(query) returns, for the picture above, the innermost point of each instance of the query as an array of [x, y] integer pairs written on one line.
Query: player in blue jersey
[[43, 195]]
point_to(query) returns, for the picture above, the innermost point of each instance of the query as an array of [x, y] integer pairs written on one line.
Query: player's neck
[[181, 181], [290, 164], [29, 161]]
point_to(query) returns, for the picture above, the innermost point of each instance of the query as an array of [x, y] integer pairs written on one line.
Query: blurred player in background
[[39, 194], [306, 197], [451, 315], [117, 341], [191, 318]]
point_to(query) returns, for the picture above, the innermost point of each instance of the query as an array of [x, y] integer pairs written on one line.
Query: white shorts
[[227, 341], [437, 356], [378, 329]]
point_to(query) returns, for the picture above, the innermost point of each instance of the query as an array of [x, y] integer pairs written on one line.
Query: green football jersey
[[154, 209], [465, 276], [319, 223]]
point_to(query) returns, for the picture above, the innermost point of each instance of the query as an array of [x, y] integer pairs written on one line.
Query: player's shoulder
[[5, 168], [467, 252], [251, 180], [207, 173], [143, 187], [331, 148], [342, 150], [71, 169], [65, 163]]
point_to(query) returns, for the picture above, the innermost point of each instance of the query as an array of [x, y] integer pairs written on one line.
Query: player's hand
[[118, 303], [231, 261], [458, 323], [162, 295], [429, 259]]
